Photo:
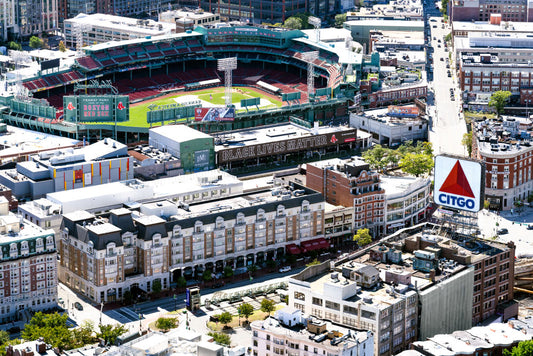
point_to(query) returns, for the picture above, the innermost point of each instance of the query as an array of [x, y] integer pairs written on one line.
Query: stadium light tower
[[227, 65], [309, 57], [316, 23]]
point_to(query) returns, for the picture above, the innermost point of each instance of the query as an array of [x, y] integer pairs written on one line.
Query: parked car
[[78, 306], [503, 231], [285, 269], [530, 227]]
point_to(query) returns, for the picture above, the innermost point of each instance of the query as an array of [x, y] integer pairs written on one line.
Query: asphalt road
[[447, 125]]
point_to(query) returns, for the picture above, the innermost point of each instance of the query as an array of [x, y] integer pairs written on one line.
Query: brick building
[[481, 10], [351, 184], [505, 148]]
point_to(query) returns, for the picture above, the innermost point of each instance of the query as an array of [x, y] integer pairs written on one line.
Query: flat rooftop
[[394, 185], [273, 133], [28, 231], [505, 26]]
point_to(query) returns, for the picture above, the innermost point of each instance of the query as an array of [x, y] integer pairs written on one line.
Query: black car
[[530, 227], [503, 231], [78, 306]]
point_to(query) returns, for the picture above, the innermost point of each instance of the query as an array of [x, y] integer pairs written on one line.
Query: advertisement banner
[[214, 114]]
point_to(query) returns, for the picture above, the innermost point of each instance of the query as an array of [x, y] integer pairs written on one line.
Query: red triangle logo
[[456, 182]]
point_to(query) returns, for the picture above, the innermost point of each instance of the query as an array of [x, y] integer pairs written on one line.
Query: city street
[[447, 127]]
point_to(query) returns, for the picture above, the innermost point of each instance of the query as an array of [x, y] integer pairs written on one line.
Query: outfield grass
[[213, 95]]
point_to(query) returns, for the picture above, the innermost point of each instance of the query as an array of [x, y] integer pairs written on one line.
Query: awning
[[293, 249], [317, 244]]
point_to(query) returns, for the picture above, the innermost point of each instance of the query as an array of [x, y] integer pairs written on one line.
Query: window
[[332, 305], [299, 296], [317, 301]]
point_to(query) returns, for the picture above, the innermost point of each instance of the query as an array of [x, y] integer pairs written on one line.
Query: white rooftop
[[179, 133], [125, 24]]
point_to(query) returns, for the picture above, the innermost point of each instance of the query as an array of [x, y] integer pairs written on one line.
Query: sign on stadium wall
[[214, 114], [286, 146], [459, 183]]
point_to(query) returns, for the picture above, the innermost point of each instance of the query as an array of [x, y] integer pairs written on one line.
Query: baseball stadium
[[278, 74]]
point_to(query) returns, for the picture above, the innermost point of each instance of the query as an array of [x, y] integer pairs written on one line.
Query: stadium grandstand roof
[[111, 44]]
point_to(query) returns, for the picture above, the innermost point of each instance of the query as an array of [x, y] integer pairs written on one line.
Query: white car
[[284, 269]]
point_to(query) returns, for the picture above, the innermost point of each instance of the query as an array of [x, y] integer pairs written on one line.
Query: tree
[[524, 348], [61, 46], [83, 335], [51, 327], [313, 263], [417, 164], [376, 157], [267, 306], [110, 333], [207, 275], [228, 271], [14, 46], [252, 269], [486, 204], [498, 100], [36, 42], [156, 286], [225, 318], [448, 37], [293, 22], [181, 282], [340, 19], [245, 310], [362, 237], [467, 142], [221, 338], [4, 337], [166, 324], [127, 297]]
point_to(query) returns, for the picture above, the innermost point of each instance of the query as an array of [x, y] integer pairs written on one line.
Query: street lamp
[[187, 319], [101, 309], [140, 324]]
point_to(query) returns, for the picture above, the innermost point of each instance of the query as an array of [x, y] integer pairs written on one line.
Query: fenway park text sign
[[281, 147]]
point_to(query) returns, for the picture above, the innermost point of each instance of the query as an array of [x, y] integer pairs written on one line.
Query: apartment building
[[259, 11], [101, 258], [25, 18], [493, 265], [28, 269], [289, 333], [336, 295], [100, 28], [350, 183], [481, 10], [506, 149]]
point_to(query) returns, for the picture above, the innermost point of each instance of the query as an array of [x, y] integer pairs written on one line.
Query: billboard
[[96, 108], [403, 111], [459, 183], [52, 63], [214, 114]]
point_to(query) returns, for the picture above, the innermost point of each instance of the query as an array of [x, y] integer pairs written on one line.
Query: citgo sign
[[458, 183]]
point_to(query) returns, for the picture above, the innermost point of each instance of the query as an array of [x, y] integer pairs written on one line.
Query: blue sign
[[188, 298]]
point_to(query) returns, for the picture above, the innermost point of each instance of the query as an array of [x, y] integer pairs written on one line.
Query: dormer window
[[176, 231], [198, 227], [260, 214], [240, 219], [219, 224]]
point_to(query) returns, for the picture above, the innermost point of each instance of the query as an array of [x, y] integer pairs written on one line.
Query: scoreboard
[[96, 108]]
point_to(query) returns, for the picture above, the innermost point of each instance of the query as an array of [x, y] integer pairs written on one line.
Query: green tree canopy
[[156, 286], [83, 335], [524, 348], [467, 142], [36, 42], [181, 282], [376, 157], [51, 327], [267, 306], [14, 46], [207, 275], [221, 338], [362, 237], [225, 318], [4, 337], [110, 333], [340, 19], [245, 310], [228, 271], [62, 47], [498, 100], [166, 324], [417, 164], [293, 22]]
